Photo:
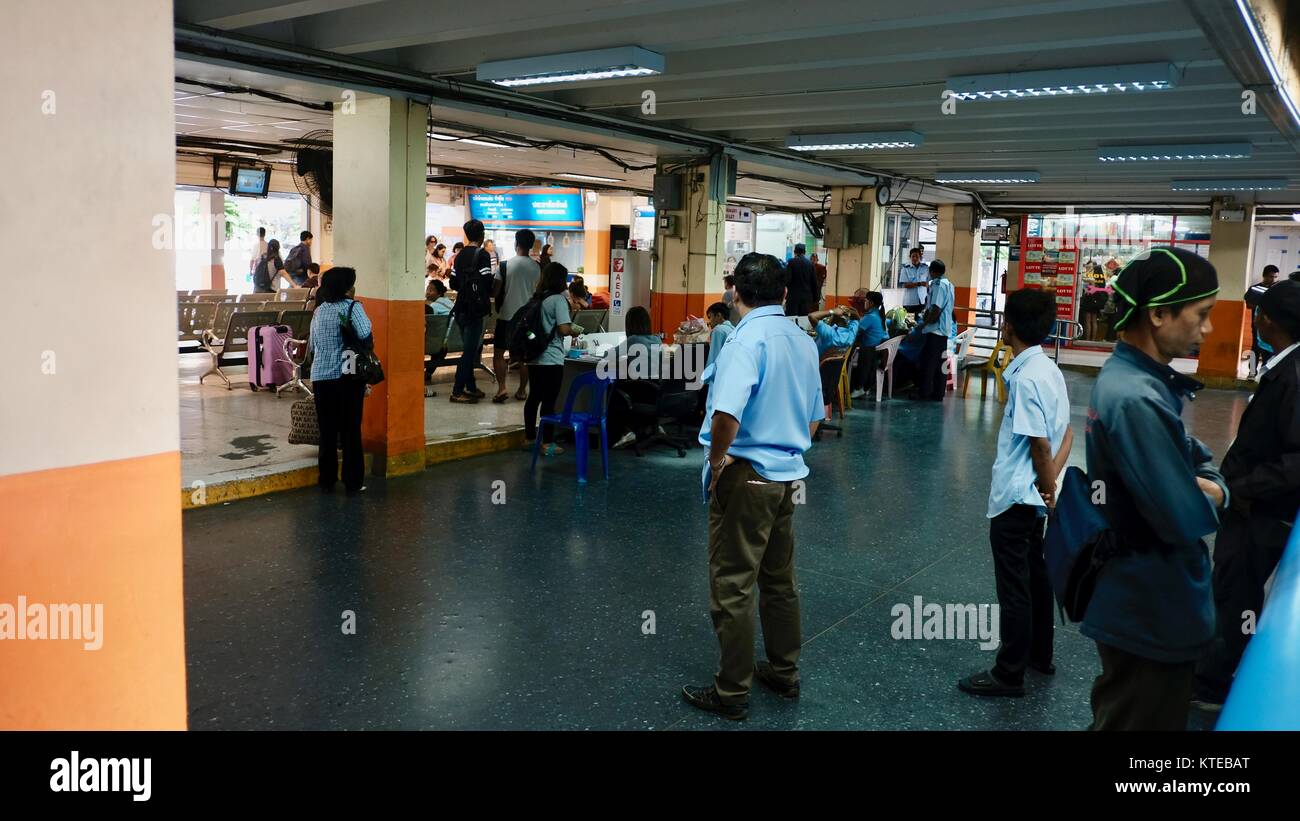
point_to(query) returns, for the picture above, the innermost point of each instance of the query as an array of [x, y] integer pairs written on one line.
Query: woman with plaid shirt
[[338, 397]]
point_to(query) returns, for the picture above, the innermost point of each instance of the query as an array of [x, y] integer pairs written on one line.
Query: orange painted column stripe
[[392, 425], [1221, 352], [122, 551]]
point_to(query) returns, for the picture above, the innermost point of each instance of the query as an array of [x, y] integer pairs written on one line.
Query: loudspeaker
[[668, 192], [859, 225]]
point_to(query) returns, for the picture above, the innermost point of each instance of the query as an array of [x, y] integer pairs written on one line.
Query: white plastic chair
[[890, 349]]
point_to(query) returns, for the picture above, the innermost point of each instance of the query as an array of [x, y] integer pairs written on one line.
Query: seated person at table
[[641, 346], [907, 364], [871, 332], [436, 301], [642, 350], [836, 328], [720, 327]]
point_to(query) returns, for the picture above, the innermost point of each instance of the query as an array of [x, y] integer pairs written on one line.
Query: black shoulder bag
[[359, 358]]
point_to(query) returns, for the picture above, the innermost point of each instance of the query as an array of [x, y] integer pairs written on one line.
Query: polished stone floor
[[488, 598], [241, 434]]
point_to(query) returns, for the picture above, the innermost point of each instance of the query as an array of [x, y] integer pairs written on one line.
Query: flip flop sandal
[[500, 398], [521, 395]]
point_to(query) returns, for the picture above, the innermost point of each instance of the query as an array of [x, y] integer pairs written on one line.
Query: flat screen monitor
[[250, 182]]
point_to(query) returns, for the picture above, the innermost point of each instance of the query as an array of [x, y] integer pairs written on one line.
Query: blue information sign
[[558, 209]]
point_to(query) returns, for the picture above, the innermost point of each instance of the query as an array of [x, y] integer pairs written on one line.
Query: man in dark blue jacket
[[1152, 614], [1262, 469]]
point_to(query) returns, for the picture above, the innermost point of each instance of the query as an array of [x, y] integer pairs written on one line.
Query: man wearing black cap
[[1263, 472], [1152, 612]]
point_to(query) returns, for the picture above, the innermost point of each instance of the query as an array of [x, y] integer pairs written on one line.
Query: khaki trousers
[[751, 541]]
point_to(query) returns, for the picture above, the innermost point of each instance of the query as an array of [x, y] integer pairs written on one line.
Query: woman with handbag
[[338, 327]]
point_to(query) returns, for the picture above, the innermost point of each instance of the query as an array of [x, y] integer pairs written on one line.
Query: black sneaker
[[706, 698], [987, 684], [763, 672]]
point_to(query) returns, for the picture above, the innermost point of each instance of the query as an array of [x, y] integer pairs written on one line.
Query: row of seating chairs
[[221, 329], [285, 295]]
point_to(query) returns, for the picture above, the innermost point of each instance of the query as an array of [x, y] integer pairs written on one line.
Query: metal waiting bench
[[442, 337]]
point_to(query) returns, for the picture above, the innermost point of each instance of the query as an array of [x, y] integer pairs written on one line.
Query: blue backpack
[[1078, 544]]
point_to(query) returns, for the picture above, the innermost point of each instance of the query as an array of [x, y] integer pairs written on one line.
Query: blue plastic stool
[[581, 421]]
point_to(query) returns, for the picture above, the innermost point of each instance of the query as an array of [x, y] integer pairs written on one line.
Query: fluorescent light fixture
[[987, 177], [1197, 151], [588, 178], [1229, 185], [854, 140], [1248, 16], [1063, 81], [577, 66], [746, 199]]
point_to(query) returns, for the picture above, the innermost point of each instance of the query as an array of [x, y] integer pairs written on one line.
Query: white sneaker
[[858, 394], [628, 438]]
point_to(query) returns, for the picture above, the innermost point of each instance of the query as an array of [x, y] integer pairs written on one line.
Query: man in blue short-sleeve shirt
[[1033, 445], [764, 404]]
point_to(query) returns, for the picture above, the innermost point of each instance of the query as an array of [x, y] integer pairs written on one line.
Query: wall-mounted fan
[[313, 169]]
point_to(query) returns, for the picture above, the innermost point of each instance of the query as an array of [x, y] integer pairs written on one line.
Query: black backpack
[[529, 338], [473, 290]]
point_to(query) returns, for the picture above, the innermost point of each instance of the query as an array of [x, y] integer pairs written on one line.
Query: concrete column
[[379, 181], [90, 466], [1231, 244], [595, 242], [212, 216], [859, 266], [957, 243], [690, 266]]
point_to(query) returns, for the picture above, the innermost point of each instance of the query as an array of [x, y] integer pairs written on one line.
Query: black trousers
[[864, 375], [543, 389], [1245, 554], [338, 413], [1024, 592], [932, 383], [1136, 693]]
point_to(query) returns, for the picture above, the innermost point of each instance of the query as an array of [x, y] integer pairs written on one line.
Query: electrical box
[[836, 233], [669, 225], [668, 192], [1234, 215], [859, 224]]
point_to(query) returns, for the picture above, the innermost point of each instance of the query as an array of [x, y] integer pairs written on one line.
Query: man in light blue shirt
[[720, 329], [829, 333], [913, 277], [764, 404], [937, 327], [1033, 445]]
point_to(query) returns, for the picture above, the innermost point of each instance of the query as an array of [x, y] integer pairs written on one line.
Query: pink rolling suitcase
[[268, 365]]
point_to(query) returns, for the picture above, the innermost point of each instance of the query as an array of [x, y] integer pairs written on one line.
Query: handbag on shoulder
[[359, 358]]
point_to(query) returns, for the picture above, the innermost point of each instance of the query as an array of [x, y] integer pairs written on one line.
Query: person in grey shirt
[[516, 280], [547, 371]]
